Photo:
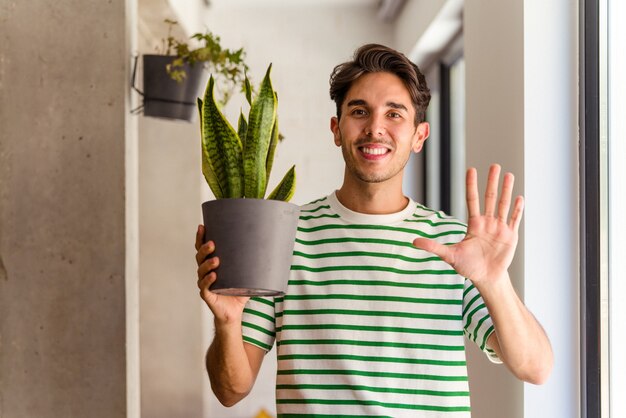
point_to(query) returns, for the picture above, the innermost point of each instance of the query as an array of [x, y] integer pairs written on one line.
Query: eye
[[394, 115], [358, 112]]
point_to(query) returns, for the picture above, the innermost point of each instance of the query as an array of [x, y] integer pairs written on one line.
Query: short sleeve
[[477, 323], [259, 323]]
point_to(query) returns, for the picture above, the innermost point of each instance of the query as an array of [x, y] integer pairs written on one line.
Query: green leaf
[[242, 128], [286, 188], [272, 150], [222, 146], [207, 170], [258, 138], [247, 89]]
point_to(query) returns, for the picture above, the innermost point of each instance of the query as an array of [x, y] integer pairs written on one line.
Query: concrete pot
[[254, 241], [167, 98]]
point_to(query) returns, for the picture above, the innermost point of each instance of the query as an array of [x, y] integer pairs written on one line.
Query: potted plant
[[172, 79], [254, 236]]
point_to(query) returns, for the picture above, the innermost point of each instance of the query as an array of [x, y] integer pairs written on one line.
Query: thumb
[[433, 246]]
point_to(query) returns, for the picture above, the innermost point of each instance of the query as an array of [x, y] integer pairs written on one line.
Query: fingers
[[516, 216], [491, 196], [207, 267], [444, 252], [204, 251], [199, 237], [491, 192], [471, 193], [505, 197]]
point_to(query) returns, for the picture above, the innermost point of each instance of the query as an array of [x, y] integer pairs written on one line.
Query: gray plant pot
[[167, 98], [254, 241]]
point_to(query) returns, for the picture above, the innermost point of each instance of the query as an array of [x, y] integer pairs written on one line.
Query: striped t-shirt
[[371, 326]]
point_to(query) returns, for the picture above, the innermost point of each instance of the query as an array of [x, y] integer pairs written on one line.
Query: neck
[[372, 198]]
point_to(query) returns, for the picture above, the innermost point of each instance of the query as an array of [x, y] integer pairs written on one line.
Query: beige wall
[[172, 355], [63, 209], [494, 79]]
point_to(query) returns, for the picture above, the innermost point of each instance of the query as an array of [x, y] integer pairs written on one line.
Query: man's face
[[377, 129]]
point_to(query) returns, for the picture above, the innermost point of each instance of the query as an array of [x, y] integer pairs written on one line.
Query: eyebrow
[[361, 102]]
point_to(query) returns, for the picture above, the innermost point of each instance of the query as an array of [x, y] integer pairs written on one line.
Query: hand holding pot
[[226, 309]]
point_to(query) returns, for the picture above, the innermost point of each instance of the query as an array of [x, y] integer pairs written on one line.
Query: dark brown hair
[[372, 58]]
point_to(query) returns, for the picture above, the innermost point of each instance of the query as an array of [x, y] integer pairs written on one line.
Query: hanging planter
[[172, 80], [164, 97]]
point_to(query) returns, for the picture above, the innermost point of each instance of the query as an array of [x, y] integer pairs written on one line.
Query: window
[[603, 86], [444, 165]]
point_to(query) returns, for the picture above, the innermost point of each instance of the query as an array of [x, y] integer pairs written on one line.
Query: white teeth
[[374, 151]]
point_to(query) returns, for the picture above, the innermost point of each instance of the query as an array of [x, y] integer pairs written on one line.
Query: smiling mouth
[[374, 150]]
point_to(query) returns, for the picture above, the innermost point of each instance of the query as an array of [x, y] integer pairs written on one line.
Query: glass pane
[[617, 204]]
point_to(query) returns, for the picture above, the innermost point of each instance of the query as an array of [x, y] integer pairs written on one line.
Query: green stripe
[[432, 223], [370, 359], [375, 298], [484, 318], [268, 302], [365, 254], [370, 268], [471, 315], [386, 375], [257, 343], [306, 218], [469, 305], [469, 289], [258, 328], [374, 403], [316, 209], [379, 228], [259, 314], [374, 344], [486, 337], [432, 212], [356, 240], [401, 391], [403, 330], [376, 283], [372, 313], [321, 199], [330, 416]]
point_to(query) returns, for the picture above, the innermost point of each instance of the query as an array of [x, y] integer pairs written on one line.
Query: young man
[[382, 290]]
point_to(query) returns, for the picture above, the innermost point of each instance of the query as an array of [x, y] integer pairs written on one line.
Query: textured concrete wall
[[63, 81]]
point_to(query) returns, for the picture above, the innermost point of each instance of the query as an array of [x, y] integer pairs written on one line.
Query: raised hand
[[226, 309], [486, 252]]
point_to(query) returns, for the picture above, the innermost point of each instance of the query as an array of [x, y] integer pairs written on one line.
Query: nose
[[375, 126]]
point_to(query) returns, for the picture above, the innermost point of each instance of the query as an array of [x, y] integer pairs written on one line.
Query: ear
[[334, 127], [421, 134]]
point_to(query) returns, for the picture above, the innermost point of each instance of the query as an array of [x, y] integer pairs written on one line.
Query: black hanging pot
[[164, 97], [254, 241]]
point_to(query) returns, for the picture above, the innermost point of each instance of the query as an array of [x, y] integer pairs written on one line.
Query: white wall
[[551, 189]]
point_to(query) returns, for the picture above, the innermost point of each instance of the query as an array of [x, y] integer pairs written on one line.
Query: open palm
[[487, 250]]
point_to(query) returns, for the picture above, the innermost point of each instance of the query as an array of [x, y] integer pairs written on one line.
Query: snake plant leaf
[[242, 127], [222, 145], [286, 188], [258, 138], [248, 89], [272, 150], [207, 170]]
